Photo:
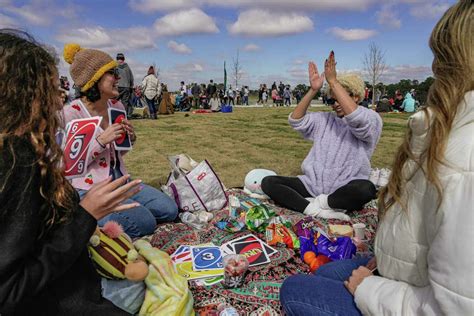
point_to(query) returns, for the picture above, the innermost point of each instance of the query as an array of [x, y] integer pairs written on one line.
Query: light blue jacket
[[409, 103]]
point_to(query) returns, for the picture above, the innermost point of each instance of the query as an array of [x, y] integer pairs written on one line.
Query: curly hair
[[352, 83], [30, 103], [451, 44]]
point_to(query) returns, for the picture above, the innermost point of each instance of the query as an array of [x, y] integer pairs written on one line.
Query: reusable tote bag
[[194, 186]]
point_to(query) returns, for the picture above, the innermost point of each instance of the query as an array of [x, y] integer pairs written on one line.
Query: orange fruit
[[309, 256], [314, 265]]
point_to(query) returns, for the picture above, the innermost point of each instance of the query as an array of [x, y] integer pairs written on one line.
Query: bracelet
[[101, 145]]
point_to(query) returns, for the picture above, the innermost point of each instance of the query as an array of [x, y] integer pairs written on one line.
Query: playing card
[[182, 254], [206, 258], [117, 116], [79, 136], [269, 250], [253, 251], [185, 269]]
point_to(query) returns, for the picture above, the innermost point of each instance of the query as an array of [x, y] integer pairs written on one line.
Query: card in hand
[[117, 116]]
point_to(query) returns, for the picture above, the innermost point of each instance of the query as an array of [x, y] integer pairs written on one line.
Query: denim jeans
[[155, 207], [323, 293], [151, 106]]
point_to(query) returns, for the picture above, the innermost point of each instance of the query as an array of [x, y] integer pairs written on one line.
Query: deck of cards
[[201, 262], [254, 249]]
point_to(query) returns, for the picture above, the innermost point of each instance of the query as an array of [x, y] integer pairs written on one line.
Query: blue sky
[[190, 39]]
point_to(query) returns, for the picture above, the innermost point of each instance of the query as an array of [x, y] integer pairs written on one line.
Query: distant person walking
[[125, 83], [151, 89]]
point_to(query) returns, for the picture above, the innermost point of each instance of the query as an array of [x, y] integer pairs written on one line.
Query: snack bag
[[341, 248], [257, 218], [279, 234]]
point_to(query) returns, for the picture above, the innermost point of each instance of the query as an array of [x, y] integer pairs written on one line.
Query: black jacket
[[51, 275]]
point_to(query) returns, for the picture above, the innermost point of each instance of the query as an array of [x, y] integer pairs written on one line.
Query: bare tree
[[374, 64], [237, 70]]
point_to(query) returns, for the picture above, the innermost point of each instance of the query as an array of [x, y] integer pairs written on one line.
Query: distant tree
[[374, 64], [236, 70]]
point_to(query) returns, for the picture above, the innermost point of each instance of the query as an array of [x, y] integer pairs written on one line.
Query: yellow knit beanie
[[87, 65]]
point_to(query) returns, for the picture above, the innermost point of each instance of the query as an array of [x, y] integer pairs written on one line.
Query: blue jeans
[[323, 293], [151, 106], [155, 207]]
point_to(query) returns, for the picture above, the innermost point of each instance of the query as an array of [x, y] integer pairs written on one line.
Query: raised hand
[[330, 68], [106, 196], [315, 80]]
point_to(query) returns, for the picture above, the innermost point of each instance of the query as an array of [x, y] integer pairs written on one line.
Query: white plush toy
[[253, 183]]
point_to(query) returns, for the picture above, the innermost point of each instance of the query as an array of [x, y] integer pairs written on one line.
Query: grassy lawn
[[237, 142]]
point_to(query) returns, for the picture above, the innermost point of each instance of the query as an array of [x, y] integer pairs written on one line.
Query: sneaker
[[384, 177], [374, 176]]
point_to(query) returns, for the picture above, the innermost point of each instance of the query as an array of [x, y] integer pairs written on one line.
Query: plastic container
[[235, 267]]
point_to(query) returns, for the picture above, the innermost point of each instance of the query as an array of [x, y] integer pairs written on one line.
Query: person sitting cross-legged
[[337, 168]]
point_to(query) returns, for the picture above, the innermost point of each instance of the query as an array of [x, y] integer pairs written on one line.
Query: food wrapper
[[231, 225], [338, 249], [279, 234], [257, 218], [304, 228], [307, 244]]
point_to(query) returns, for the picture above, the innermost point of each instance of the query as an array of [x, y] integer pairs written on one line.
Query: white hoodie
[[425, 255]]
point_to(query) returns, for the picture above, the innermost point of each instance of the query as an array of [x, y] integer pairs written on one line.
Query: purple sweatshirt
[[341, 150]]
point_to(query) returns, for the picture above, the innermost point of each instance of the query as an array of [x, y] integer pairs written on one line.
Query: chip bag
[[257, 218], [339, 249], [279, 234]]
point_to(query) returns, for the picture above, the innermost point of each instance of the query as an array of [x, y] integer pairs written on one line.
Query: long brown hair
[[451, 44], [29, 103]]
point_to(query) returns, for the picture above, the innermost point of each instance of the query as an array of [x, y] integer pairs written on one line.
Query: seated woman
[[93, 71], [424, 256], [337, 168], [45, 268]]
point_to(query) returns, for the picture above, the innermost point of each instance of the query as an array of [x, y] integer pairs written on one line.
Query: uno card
[[206, 258], [182, 254], [253, 251], [269, 250], [117, 116], [186, 270], [77, 144]]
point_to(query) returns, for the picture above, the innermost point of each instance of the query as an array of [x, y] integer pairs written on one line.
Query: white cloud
[[298, 73], [352, 34], [40, 12], [111, 40], [179, 48], [397, 73], [250, 23], [429, 10], [185, 22], [388, 16], [251, 48], [7, 22], [147, 6]]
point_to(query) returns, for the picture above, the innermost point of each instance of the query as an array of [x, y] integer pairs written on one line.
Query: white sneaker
[[320, 208], [374, 176], [384, 177]]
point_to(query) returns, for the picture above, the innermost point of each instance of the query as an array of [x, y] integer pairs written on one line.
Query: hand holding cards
[[119, 117]]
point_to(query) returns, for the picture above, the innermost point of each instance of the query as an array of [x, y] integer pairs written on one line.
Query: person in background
[[423, 262], [125, 84], [95, 72], [287, 96], [63, 96], [246, 96], [408, 104], [397, 105], [384, 105], [337, 168], [230, 95], [214, 103], [45, 228], [182, 89], [151, 89], [264, 97], [211, 89]]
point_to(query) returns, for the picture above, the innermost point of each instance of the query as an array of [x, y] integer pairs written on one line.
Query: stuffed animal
[[114, 255], [253, 183]]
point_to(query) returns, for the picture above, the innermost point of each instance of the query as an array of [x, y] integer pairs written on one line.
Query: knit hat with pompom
[[87, 65]]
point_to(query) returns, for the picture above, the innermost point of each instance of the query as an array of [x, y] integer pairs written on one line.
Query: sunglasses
[[113, 72], [331, 101]]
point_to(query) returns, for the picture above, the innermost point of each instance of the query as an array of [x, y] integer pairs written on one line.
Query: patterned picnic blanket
[[260, 293]]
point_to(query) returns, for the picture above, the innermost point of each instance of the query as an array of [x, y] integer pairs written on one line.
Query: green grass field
[[234, 143]]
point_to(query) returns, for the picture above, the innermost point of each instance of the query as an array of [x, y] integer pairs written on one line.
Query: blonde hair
[[451, 43], [352, 83]]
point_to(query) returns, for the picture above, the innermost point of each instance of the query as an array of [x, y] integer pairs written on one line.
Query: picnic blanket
[[260, 293]]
